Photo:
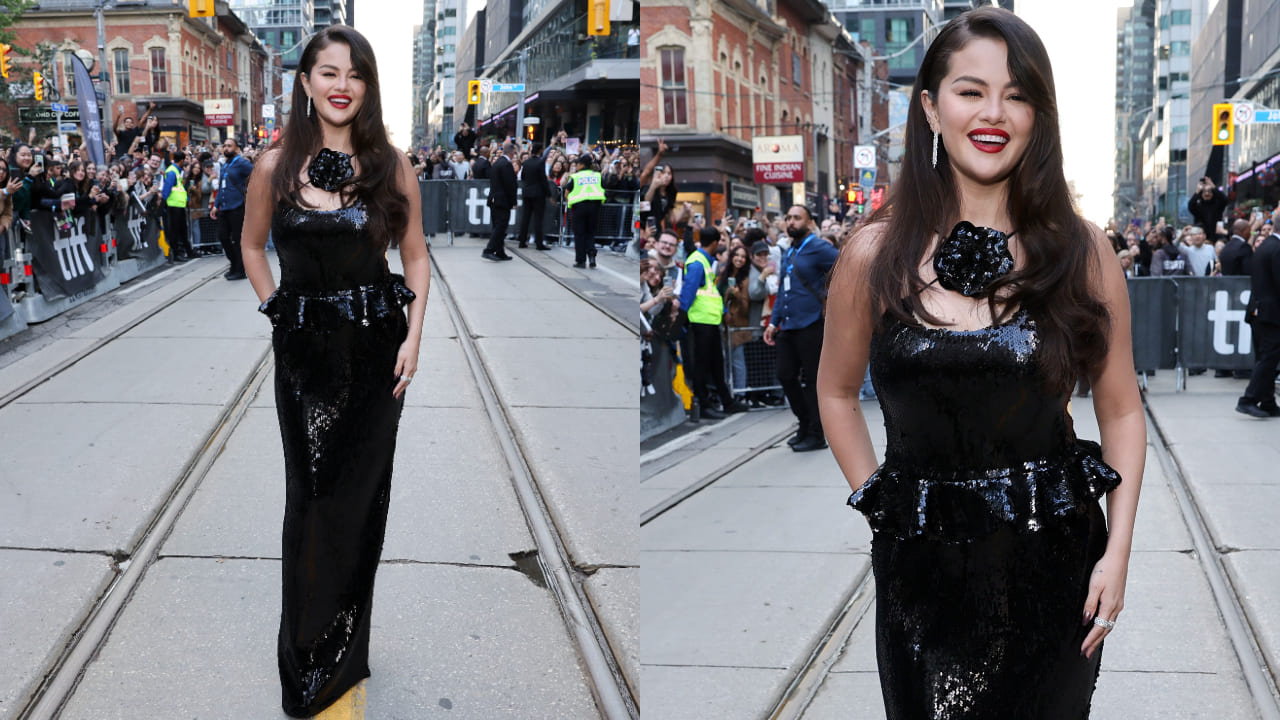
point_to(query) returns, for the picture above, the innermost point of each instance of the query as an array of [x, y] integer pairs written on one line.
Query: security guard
[[175, 211], [702, 355], [586, 195]]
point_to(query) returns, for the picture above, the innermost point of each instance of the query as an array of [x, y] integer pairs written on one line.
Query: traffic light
[[848, 197], [4, 60], [201, 8], [597, 17], [1224, 125], [473, 92], [37, 82]]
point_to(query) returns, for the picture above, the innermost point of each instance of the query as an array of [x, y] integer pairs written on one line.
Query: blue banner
[[90, 123]]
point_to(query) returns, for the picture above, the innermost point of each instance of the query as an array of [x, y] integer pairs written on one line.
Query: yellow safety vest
[[178, 195], [708, 306], [586, 186]]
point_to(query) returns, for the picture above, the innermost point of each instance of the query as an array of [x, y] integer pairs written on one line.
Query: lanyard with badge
[[790, 264]]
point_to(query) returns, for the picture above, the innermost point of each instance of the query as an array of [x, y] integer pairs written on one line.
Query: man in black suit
[[502, 197], [481, 166], [1236, 254], [535, 190], [1263, 314]]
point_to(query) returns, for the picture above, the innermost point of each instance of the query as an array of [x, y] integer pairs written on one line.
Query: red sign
[[219, 120], [779, 172]]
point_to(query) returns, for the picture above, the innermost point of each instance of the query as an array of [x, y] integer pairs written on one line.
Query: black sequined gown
[[986, 528], [338, 324]]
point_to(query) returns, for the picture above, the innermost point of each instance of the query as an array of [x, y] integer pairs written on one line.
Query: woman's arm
[[258, 203], [1123, 428], [417, 274], [846, 346]]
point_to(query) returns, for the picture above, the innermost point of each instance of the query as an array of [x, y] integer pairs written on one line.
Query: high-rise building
[[471, 59], [424, 69], [1135, 40], [283, 25], [901, 29], [444, 47], [330, 12], [1166, 128], [952, 8]]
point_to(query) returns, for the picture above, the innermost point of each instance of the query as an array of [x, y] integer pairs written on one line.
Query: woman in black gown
[[978, 297], [335, 194]]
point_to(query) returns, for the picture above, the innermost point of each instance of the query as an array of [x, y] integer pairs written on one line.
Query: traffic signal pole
[[106, 103], [524, 55]]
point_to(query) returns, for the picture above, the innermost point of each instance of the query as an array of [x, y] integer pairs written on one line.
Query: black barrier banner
[[1211, 327], [135, 237], [6, 307], [435, 207], [62, 260], [1153, 310], [469, 209]]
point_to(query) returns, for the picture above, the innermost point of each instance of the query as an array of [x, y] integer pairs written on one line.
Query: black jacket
[[1208, 212], [1236, 256], [502, 184], [465, 142], [480, 168], [1264, 296], [533, 179]]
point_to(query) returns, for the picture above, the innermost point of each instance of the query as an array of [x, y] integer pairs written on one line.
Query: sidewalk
[[748, 575], [457, 626]]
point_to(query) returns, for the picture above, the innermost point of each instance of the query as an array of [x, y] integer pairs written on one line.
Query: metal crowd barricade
[[615, 223], [202, 231], [761, 361]]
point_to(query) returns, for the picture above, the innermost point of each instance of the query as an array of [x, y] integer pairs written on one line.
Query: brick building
[[715, 75], [156, 54]]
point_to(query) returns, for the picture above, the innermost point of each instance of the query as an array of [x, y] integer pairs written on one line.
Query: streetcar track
[[609, 687], [1243, 637], [64, 364], [611, 314], [702, 483], [90, 635]]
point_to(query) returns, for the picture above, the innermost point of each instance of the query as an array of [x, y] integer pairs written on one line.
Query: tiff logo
[[1222, 317], [136, 220], [73, 251], [478, 208]]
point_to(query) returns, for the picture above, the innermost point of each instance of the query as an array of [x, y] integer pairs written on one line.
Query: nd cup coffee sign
[[778, 159]]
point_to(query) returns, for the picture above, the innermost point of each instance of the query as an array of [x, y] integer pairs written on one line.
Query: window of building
[[898, 33], [675, 100], [1180, 17], [229, 60], [71, 77], [123, 86], [450, 12], [1179, 47], [159, 81], [797, 69]]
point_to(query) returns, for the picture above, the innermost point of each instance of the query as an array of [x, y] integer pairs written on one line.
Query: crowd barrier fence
[[761, 361], [1190, 323]]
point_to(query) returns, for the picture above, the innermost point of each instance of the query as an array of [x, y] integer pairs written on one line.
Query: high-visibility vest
[[178, 195], [708, 306], [586, 186]]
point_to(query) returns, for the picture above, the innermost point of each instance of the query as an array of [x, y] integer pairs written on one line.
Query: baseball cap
[[760, 246]]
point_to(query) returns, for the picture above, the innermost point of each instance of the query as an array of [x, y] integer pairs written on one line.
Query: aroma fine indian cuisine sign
[[778, 158], [219, 112]]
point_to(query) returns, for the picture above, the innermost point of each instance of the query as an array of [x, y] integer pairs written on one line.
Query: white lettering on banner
[[1222, 317], [73, 251], [477, 210], [135, 231]]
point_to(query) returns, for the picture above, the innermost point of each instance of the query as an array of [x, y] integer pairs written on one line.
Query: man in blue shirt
[[796, 324], [228, 205]]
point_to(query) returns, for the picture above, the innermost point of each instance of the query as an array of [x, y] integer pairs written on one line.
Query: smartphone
[[38, 161], [697, 217], [123, 184], [733, 282]]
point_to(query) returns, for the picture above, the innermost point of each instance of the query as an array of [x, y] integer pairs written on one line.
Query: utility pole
[[524, 56]]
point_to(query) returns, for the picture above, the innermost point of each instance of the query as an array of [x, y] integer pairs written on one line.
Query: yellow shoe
[[348, 707]]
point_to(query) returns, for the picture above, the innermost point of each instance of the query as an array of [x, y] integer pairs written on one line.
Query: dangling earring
[[935, 137], [935, 149]]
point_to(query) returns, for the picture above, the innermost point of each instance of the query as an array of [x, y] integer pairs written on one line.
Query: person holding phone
[[22, 166], [1207, 205]]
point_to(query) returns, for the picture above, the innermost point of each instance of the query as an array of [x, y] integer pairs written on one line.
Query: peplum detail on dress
[[327, 310], [961, 506]]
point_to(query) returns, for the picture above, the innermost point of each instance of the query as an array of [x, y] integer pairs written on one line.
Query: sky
[[1081, 45]]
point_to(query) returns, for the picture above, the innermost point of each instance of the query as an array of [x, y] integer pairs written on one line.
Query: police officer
[[586, 195], [702, 355], [175, 211]]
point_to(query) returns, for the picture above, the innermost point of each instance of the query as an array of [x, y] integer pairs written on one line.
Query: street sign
[[508, 87], [59, 107], [864, 156], [268, 111], [867, 178], [1244, 113], [486, 85], [1266, 117], [43, 115]]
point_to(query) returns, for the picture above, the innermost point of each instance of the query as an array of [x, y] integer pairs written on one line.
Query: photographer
[[1207, 205]]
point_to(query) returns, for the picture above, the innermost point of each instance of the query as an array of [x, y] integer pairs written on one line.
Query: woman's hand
[[406, 365], [14, 186], [1106, 597]]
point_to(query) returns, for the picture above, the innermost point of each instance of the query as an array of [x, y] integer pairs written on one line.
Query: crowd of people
[[142, 167]]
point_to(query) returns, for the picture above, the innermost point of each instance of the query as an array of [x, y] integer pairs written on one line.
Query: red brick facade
[[173, 61]]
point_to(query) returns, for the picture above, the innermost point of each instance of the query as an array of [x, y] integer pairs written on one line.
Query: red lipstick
[[989, 140]]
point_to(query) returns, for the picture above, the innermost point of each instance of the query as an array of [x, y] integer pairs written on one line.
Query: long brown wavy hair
[[1054, 282], [377, 182]]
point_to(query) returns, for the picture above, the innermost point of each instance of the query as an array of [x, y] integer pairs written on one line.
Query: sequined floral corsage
[[330, 170], [971, 258]]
